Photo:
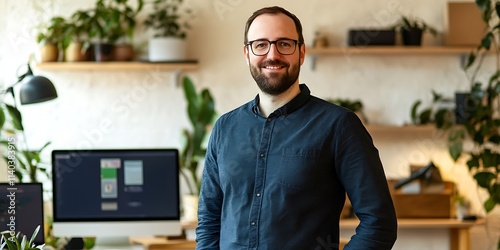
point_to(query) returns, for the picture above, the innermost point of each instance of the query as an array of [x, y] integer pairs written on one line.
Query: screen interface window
[[116, 186]]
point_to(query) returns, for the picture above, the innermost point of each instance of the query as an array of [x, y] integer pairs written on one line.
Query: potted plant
[[412, 29], [438, 112], [168, 42], [76, 40], [12, 242], [109, 21], [462, 206], [50, 39], [355, 106], [201, 113], [124, 50]]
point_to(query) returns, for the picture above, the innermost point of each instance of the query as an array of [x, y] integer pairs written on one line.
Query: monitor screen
[[21, 209], [116, 192]]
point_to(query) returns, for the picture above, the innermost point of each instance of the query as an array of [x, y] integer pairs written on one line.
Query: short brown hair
[[274, 10]]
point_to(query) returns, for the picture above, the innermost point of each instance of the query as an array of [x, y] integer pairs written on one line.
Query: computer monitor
[[21, 210], [114, 194]]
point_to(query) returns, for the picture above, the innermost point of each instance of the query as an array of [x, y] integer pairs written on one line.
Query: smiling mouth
[[273, 67]]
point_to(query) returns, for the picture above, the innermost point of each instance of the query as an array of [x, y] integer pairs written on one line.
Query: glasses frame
[[271, 43]]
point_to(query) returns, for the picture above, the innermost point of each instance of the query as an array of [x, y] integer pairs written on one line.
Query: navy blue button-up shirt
[[280, 182]]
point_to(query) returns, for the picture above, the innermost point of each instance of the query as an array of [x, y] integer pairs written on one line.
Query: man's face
[[274, 73]]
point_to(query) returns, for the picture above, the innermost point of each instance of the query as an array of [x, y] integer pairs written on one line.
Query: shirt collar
[[288, 108]]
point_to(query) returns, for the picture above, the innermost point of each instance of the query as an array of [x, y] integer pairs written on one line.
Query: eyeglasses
[[262, 47]]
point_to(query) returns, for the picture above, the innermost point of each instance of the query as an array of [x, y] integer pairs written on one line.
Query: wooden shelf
[[422, 223], [391, 50], [400, 129], [103, 66]]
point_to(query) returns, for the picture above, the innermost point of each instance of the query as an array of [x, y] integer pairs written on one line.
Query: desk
[[459, 230], [162, 243]]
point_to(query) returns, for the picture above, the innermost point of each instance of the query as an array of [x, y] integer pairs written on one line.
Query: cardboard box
[[423, 205], [465, 24]]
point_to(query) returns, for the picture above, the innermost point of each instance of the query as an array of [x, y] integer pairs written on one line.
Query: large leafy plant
[[111, 20], [480, 124], [482, 121], [28, 164], [201, 112], [165, 20]]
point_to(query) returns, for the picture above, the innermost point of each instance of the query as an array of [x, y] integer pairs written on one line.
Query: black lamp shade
[[36, 89]]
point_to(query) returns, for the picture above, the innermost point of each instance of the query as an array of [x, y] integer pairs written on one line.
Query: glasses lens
[[260, 47], [285, 46]]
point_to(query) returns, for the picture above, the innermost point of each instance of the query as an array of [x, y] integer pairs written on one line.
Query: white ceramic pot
[[190, 207], [167, 49]]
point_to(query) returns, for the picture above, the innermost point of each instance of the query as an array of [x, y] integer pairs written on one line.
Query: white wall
[[146, 109]]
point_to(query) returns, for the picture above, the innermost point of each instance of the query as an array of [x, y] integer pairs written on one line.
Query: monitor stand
[[119, 243]]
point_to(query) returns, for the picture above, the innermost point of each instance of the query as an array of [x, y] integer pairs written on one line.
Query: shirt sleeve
[[210, 201], [361, 173]]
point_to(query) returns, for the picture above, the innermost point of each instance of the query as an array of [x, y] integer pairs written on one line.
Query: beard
[[275, 83]]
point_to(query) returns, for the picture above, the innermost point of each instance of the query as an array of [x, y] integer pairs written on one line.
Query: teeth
[[273, 67]]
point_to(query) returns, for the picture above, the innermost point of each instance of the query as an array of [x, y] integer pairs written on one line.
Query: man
[[277, 168]]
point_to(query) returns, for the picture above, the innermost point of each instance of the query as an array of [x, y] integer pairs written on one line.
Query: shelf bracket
[[313, 62], [463, 60], [177, 77]]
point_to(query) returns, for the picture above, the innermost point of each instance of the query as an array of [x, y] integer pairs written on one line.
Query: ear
[[247, 55], [302, 53]]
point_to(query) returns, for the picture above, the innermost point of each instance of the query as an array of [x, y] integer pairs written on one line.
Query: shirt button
[[253, 223], [261, 155], [258, 195]]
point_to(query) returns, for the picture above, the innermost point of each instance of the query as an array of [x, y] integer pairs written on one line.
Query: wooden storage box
[[423, 205]]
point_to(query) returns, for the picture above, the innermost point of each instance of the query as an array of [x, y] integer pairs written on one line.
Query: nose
[[273, 51]]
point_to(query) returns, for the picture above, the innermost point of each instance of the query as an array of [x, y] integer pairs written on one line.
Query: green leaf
[[455, 150], [487, 40], [441, 117], [484, 179], [23, 242], [497, 9], [17, 120], [414, 112], [482, 4], [470, 59], [489, 204], [473, 163], [2, 117], [34, 235], [425, 116], [495, 139], [490, 159]]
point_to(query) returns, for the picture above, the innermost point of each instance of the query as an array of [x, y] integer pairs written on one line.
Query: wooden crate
[[422, 205]]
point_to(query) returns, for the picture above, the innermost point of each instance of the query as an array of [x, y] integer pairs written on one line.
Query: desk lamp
[[34, 89]]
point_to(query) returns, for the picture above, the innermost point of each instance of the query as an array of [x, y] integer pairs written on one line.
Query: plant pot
[[74, 53], [371, 37], [49, 53], [103, 52], [462, 107], [412, 37], [461, 210], [167, 49], [190, 207], [124, 52]]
